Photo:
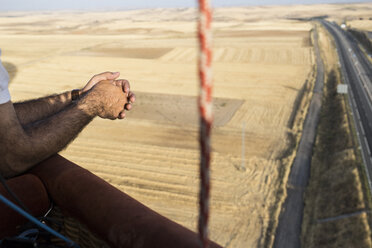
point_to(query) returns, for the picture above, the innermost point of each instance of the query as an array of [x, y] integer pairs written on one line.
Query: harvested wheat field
[[260, 66], [365, 25]]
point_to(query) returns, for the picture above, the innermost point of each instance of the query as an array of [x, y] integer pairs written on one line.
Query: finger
[[122, 115], [105, 76], [128, 106], [124, 84], [131, 97], [113, 75], [106, 82]]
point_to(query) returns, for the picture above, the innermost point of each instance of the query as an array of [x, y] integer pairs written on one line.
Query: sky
[[29, 5]]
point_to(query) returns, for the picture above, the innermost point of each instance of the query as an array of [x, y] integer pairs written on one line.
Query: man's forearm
[[23, 146], [44, 138], [38, 109]]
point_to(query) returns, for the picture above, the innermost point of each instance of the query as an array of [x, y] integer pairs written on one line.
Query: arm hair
[[22, 147], [38, 109]]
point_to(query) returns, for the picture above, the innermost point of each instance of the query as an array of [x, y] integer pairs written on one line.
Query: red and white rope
[[206, 116]]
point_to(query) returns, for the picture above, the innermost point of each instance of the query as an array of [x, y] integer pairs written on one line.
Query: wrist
[[76, 94], [88, 105]]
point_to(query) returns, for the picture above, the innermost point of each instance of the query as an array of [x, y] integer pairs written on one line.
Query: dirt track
[[289, 229]]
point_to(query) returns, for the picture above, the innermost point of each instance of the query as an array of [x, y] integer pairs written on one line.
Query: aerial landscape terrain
[[264, 70]]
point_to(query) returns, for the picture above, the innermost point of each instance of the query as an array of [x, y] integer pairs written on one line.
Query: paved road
[[290, 220], [357, 73]]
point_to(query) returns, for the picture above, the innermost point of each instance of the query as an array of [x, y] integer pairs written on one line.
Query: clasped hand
[[109, 96]]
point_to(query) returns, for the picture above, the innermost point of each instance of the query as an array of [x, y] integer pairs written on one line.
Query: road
[[357, 74], [289, 228]]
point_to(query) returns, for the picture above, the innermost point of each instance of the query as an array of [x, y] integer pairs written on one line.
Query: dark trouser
[[111, 214]]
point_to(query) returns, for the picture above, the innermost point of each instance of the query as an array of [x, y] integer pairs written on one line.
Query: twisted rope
[[206, 116]]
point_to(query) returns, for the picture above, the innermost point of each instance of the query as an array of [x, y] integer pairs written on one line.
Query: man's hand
[[106, 100], [122, 83], [100, 77]]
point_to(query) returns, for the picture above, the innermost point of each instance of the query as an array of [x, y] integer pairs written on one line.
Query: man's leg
[[114, 216]]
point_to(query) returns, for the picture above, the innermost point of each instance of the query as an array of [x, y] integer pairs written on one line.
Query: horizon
[[118, 5]]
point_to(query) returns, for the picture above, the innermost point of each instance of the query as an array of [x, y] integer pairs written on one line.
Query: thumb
[[105, 76], [113, 75]]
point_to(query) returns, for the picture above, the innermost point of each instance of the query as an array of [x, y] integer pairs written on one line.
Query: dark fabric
[[31, 191], [111, 214]]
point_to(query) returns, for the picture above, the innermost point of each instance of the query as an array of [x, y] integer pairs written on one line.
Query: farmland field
[[260, 66]]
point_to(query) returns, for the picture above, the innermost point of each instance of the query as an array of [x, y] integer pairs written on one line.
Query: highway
[[357, 74]]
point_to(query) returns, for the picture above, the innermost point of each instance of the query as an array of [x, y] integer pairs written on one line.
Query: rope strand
[[206, 116]]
